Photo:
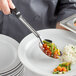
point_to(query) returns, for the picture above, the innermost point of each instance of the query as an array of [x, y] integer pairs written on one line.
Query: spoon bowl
[[50, 49]]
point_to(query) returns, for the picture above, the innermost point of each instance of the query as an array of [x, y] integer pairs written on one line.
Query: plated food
[[51, 49], [68, 56], [62, 68]]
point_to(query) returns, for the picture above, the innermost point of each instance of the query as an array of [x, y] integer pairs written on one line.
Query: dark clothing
[[41, 14]]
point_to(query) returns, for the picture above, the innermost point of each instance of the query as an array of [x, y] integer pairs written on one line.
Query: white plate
[[17, 71], [14, 71], [33, 58], [8, 54]]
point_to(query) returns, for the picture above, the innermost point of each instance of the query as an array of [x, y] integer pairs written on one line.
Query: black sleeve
[[65, 9]]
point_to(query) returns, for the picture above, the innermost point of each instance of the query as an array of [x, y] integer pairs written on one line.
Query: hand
[[60, 27], [5, 6]]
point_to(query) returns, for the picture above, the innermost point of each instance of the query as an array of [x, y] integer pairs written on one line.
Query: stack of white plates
[[10, 64]]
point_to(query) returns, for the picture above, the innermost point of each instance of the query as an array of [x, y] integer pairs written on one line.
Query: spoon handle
[[20, 17]]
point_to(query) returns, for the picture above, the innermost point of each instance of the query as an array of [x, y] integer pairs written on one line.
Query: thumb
[[11, 5]]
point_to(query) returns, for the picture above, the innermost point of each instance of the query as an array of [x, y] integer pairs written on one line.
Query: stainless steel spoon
[[18, 15]]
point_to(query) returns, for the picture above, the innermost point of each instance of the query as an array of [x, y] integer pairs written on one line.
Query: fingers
[[4, 7], [11, 5], [0, 8]]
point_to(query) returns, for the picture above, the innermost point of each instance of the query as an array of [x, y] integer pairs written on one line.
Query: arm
[[60, 27], [65, 9], [5, 6]]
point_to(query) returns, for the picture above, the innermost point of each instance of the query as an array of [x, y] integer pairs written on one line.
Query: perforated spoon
[[18, 15]]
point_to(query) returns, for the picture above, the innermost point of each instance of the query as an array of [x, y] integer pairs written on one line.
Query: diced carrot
[[55, 53], [48, 50], [57, 57], [44, 45], [59, 68], [50, 53], [64, 69], [57, 50], [55, 70], [45, 48]]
